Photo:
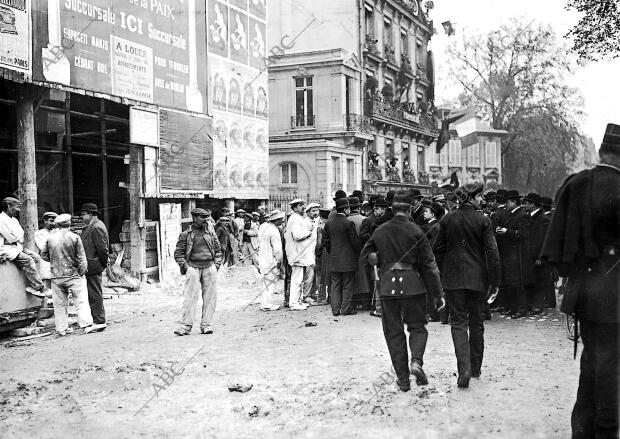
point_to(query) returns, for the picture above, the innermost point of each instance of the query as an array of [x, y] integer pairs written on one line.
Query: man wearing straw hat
[[65, 252], [299, 250], [269, 256]]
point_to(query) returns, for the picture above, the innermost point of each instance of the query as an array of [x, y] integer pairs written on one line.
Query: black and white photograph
[[309, 219]]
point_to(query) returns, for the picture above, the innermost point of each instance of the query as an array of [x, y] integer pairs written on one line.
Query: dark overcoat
[[538, 231], [96, 242], [517, 267], [342, 244], [583, 242], [466, 251], [366, 228]]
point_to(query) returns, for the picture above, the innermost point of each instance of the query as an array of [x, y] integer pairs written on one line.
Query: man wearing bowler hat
[[199, 256], [517, 270], [541, 271], [583, 243], [340, 194], [417, 212], [343, 246], [407, 272], [96, 242], [388, 215]]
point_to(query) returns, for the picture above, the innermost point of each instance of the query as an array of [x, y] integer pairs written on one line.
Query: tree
[[597, 34], [514, 76]]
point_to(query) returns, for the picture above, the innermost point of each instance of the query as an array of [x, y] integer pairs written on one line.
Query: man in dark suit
[[583, 243], [498, 218], [388, 215], [340, 194], [369, 221], [516, 265], [407, 273], [468, 259], [417, 212], [96, 242], [541, 272], [380, 207], [343, 245]]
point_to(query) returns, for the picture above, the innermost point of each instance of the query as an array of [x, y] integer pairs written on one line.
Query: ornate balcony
[[399, 115], [302, 121], [389, 54], [357, 122]]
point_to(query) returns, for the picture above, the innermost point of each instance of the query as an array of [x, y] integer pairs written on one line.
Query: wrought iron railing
[[357, 122], [398, 112], [302, 121]]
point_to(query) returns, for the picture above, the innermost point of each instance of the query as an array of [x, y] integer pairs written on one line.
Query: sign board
[[150, 51], [186, 152], [143, 127], [15, 35], [169, 231]]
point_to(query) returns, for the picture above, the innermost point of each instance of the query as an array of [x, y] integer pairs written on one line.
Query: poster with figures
[[238, 93], [241, 4], [257, 45], [238, 38], [217, 28], [258, 8]]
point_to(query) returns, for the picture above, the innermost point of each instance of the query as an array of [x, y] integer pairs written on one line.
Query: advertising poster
[[238, 93], [146, 50], [15, 41]]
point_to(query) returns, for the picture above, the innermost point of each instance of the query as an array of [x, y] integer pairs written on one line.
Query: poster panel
[[146, 50], [15, 35], [169, 231]]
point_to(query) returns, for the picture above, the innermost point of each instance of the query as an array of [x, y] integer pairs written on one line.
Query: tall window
[[369, 19], [473, 155], [389, 148], [350, 173], [490, 154], [443, 155], [404, 43], [288, 171], [336, 179], [454, 158], [388, 37], [304, 106], [421, 164]]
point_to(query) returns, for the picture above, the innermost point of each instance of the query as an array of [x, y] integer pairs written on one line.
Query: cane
[[373, 259]]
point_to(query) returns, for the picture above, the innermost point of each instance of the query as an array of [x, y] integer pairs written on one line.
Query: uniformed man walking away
[[468, 259], [407, 273], [199, 256], [583, 242], [541, 272]]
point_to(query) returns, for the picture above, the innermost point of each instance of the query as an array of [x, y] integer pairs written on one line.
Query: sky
[[598, 82]]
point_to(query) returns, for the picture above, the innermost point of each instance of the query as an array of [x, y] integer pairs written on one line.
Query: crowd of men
[[68, 263]]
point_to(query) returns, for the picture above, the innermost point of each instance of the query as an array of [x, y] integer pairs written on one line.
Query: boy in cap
[[40, 238], [199, 256], [96, 242], [65, 252], [11, 247]]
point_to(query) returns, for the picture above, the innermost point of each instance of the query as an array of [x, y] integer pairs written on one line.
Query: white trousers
[[61, 288], [297, 278]]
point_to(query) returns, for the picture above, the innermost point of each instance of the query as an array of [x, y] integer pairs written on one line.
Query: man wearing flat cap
[[65, 252], [96, 243], [583, 243], [343, 246], [11, 247], [199, 256], [517, 270], [249, 248], [407, 273], [300, 238], [40, 238], [468, 259]]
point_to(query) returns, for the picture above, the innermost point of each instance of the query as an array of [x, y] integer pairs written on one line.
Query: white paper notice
[[132, 69]]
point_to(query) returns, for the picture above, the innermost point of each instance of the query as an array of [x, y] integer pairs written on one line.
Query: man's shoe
[[416, 370], [38, 293], [403, 385], [475, 374], [518, 315], [88, 329], [336, 314], [297, 307], [182, 331], [375, 313], [98, 327], [537, 311], [463, 380], [206, 330], [321, 302], [270, 308], [309, 300], [65, 332], [349, 313]]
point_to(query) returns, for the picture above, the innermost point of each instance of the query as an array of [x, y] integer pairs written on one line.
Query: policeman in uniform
[[407, 272], [583, 242]]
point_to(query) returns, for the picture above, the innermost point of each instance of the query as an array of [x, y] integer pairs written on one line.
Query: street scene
[[309, 218]]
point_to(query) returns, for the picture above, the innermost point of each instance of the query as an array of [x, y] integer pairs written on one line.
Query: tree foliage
[[597, 34], [515, 77]]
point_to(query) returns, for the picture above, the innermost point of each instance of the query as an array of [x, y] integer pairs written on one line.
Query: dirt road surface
[[333, 380]]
